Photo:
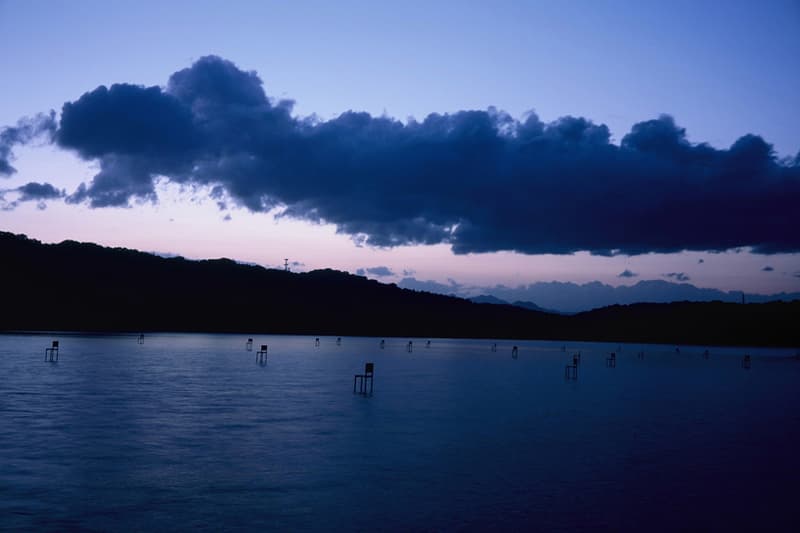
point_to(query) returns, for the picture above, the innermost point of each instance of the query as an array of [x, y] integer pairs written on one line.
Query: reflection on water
[[190, 432]]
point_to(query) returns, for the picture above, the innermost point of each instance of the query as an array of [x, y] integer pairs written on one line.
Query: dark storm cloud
[[25, 131], [627, 274], [678, 276], [479, 181]]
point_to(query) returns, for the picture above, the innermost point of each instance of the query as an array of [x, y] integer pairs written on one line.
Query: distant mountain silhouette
[[86, 287], [489, 299], [568, 297], [533, 307]]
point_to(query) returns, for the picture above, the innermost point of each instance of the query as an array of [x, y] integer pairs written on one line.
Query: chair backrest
[[55, 344], [369, 368]]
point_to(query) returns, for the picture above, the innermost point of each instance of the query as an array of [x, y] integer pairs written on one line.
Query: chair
[[261, 355], [369, 370], [51, 352]]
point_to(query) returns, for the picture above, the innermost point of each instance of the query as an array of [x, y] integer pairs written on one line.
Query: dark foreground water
[[189, 432]]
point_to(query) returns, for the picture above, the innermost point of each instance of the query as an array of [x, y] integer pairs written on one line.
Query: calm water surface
[[189, 432]]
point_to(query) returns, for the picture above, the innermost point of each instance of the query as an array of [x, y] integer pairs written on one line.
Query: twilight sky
[[460, 142]]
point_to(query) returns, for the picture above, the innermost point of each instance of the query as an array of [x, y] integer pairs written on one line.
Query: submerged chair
[[52, 352], [261, 355], [368, 374], [571, 371]]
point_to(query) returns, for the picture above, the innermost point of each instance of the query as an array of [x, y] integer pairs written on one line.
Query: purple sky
[[385, 190]]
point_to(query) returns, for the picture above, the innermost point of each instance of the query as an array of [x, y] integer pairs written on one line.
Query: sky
[[470, 144]]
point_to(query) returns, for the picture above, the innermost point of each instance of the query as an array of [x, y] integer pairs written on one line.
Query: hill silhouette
[[86, 287]]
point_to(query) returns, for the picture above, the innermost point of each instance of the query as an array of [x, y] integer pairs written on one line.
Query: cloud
[[379, 271], [767, 269], [452, 287], [678, 276], [26, 130], [6, 205], [39, 191], [627, 274], [32, 191], [480, 181]]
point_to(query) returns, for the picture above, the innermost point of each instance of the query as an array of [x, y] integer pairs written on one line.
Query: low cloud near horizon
[[678, 276], [378, 271], [480, 181]]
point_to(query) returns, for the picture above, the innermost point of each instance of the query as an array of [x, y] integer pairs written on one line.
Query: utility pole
[[286, 265]]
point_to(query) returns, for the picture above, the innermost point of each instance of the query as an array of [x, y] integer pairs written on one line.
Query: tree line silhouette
[[74, 286]]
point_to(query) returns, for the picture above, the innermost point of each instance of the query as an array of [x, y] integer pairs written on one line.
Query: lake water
[[190, 432]]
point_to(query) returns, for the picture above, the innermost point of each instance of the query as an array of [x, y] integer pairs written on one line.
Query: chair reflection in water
[[361, 379], [52, 352]]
